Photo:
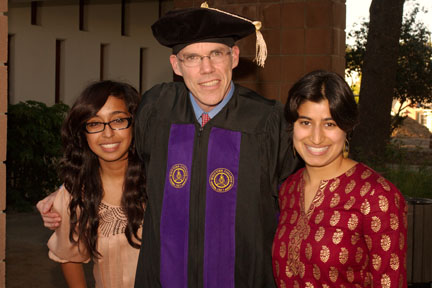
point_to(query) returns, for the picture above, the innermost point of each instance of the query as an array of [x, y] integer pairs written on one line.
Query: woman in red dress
[[342, 224]]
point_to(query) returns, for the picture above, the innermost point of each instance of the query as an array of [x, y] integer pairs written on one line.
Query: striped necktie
[[204, 119]]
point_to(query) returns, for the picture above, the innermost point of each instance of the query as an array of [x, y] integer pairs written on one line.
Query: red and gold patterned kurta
[[353, 235]]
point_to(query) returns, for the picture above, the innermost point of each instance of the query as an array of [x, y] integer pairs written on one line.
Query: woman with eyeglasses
[[102, 201]]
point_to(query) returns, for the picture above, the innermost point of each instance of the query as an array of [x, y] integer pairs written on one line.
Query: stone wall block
[[3, 136], [2, 188], [270, 15], [273, 41], [319, 41], [293, 15], [3, 89], [317, 62], [3, 38], [271, 71], [339, 15], [292, 67], [293, 41], [318, 14]]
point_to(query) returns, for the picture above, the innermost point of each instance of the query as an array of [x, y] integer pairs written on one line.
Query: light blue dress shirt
[[198, 111]]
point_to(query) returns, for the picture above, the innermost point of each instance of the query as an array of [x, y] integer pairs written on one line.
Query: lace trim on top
[[112, 220]]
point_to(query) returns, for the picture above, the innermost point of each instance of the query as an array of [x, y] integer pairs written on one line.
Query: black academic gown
[[265, 161]]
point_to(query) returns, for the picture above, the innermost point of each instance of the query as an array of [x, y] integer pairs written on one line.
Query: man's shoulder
[[247, 94], [164, 92]]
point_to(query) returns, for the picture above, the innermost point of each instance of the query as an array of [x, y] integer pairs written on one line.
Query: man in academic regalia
[[215, 153]]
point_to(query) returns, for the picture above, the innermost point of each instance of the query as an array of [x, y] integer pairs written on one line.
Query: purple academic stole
[[221, 196], [174, 226], [219, 244]]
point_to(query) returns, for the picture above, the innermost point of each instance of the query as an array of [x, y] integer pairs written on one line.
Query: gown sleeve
[[61, 249], [385, 233], [280, 148]]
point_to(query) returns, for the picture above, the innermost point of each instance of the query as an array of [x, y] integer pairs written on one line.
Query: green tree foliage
[[414, 71], [33, 151]]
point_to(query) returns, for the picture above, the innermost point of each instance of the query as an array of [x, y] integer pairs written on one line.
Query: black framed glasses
[[194, 60], [116, 124]]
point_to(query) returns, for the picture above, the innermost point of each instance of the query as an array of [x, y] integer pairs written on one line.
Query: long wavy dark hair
[[79, 168]]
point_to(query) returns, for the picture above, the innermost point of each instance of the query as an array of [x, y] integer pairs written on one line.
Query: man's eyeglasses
[[193, 60], [116, 124]]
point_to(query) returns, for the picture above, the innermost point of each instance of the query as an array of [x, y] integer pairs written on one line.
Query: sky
[[359, 9]]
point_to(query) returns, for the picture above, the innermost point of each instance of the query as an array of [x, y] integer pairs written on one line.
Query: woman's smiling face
[[317, 138], [110, 145]]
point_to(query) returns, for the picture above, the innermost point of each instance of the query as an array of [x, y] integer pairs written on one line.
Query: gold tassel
[[260, 46]]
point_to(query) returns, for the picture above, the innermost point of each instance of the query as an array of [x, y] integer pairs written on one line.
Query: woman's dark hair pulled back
[[322, 85]]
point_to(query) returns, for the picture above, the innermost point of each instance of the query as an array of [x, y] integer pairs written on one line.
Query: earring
[[345, 150]]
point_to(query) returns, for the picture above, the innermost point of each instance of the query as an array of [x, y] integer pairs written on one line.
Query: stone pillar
[[301, 36], [3, 127]]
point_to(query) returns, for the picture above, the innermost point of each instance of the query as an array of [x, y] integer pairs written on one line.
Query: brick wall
[[3, 126], [301, 36]]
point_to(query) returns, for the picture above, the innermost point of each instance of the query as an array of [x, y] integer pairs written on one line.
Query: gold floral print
[[350, 187], [375, 224], [359, 254], [394, 262], [369, 279], [281, 232], [368, 241], [384, 183], [353, 222], [335, 200], [351, 171], [334, 185], [284, 202], [385, 242], [284, 217], [401, 281], [337, 236], [309, 285], [365, 189], [355, 238], [292, 201], [301, 269], [383, 203], [283, 189], [343, 255], [350, 274], [394, 221], [308, 251], [365, 207], [277, 268], [316, 272], [366, 174], [282, 284], [333, 274], [294, 217], [401, 241], [385, 281], [324, 254], [282, 250], [319, 234], [296, 284], [376, 261], [291, 189], [319, 217], [349, 203], [397, 201], [334, 220]]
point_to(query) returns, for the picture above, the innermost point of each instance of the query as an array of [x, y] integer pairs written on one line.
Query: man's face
[[208, 82]]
